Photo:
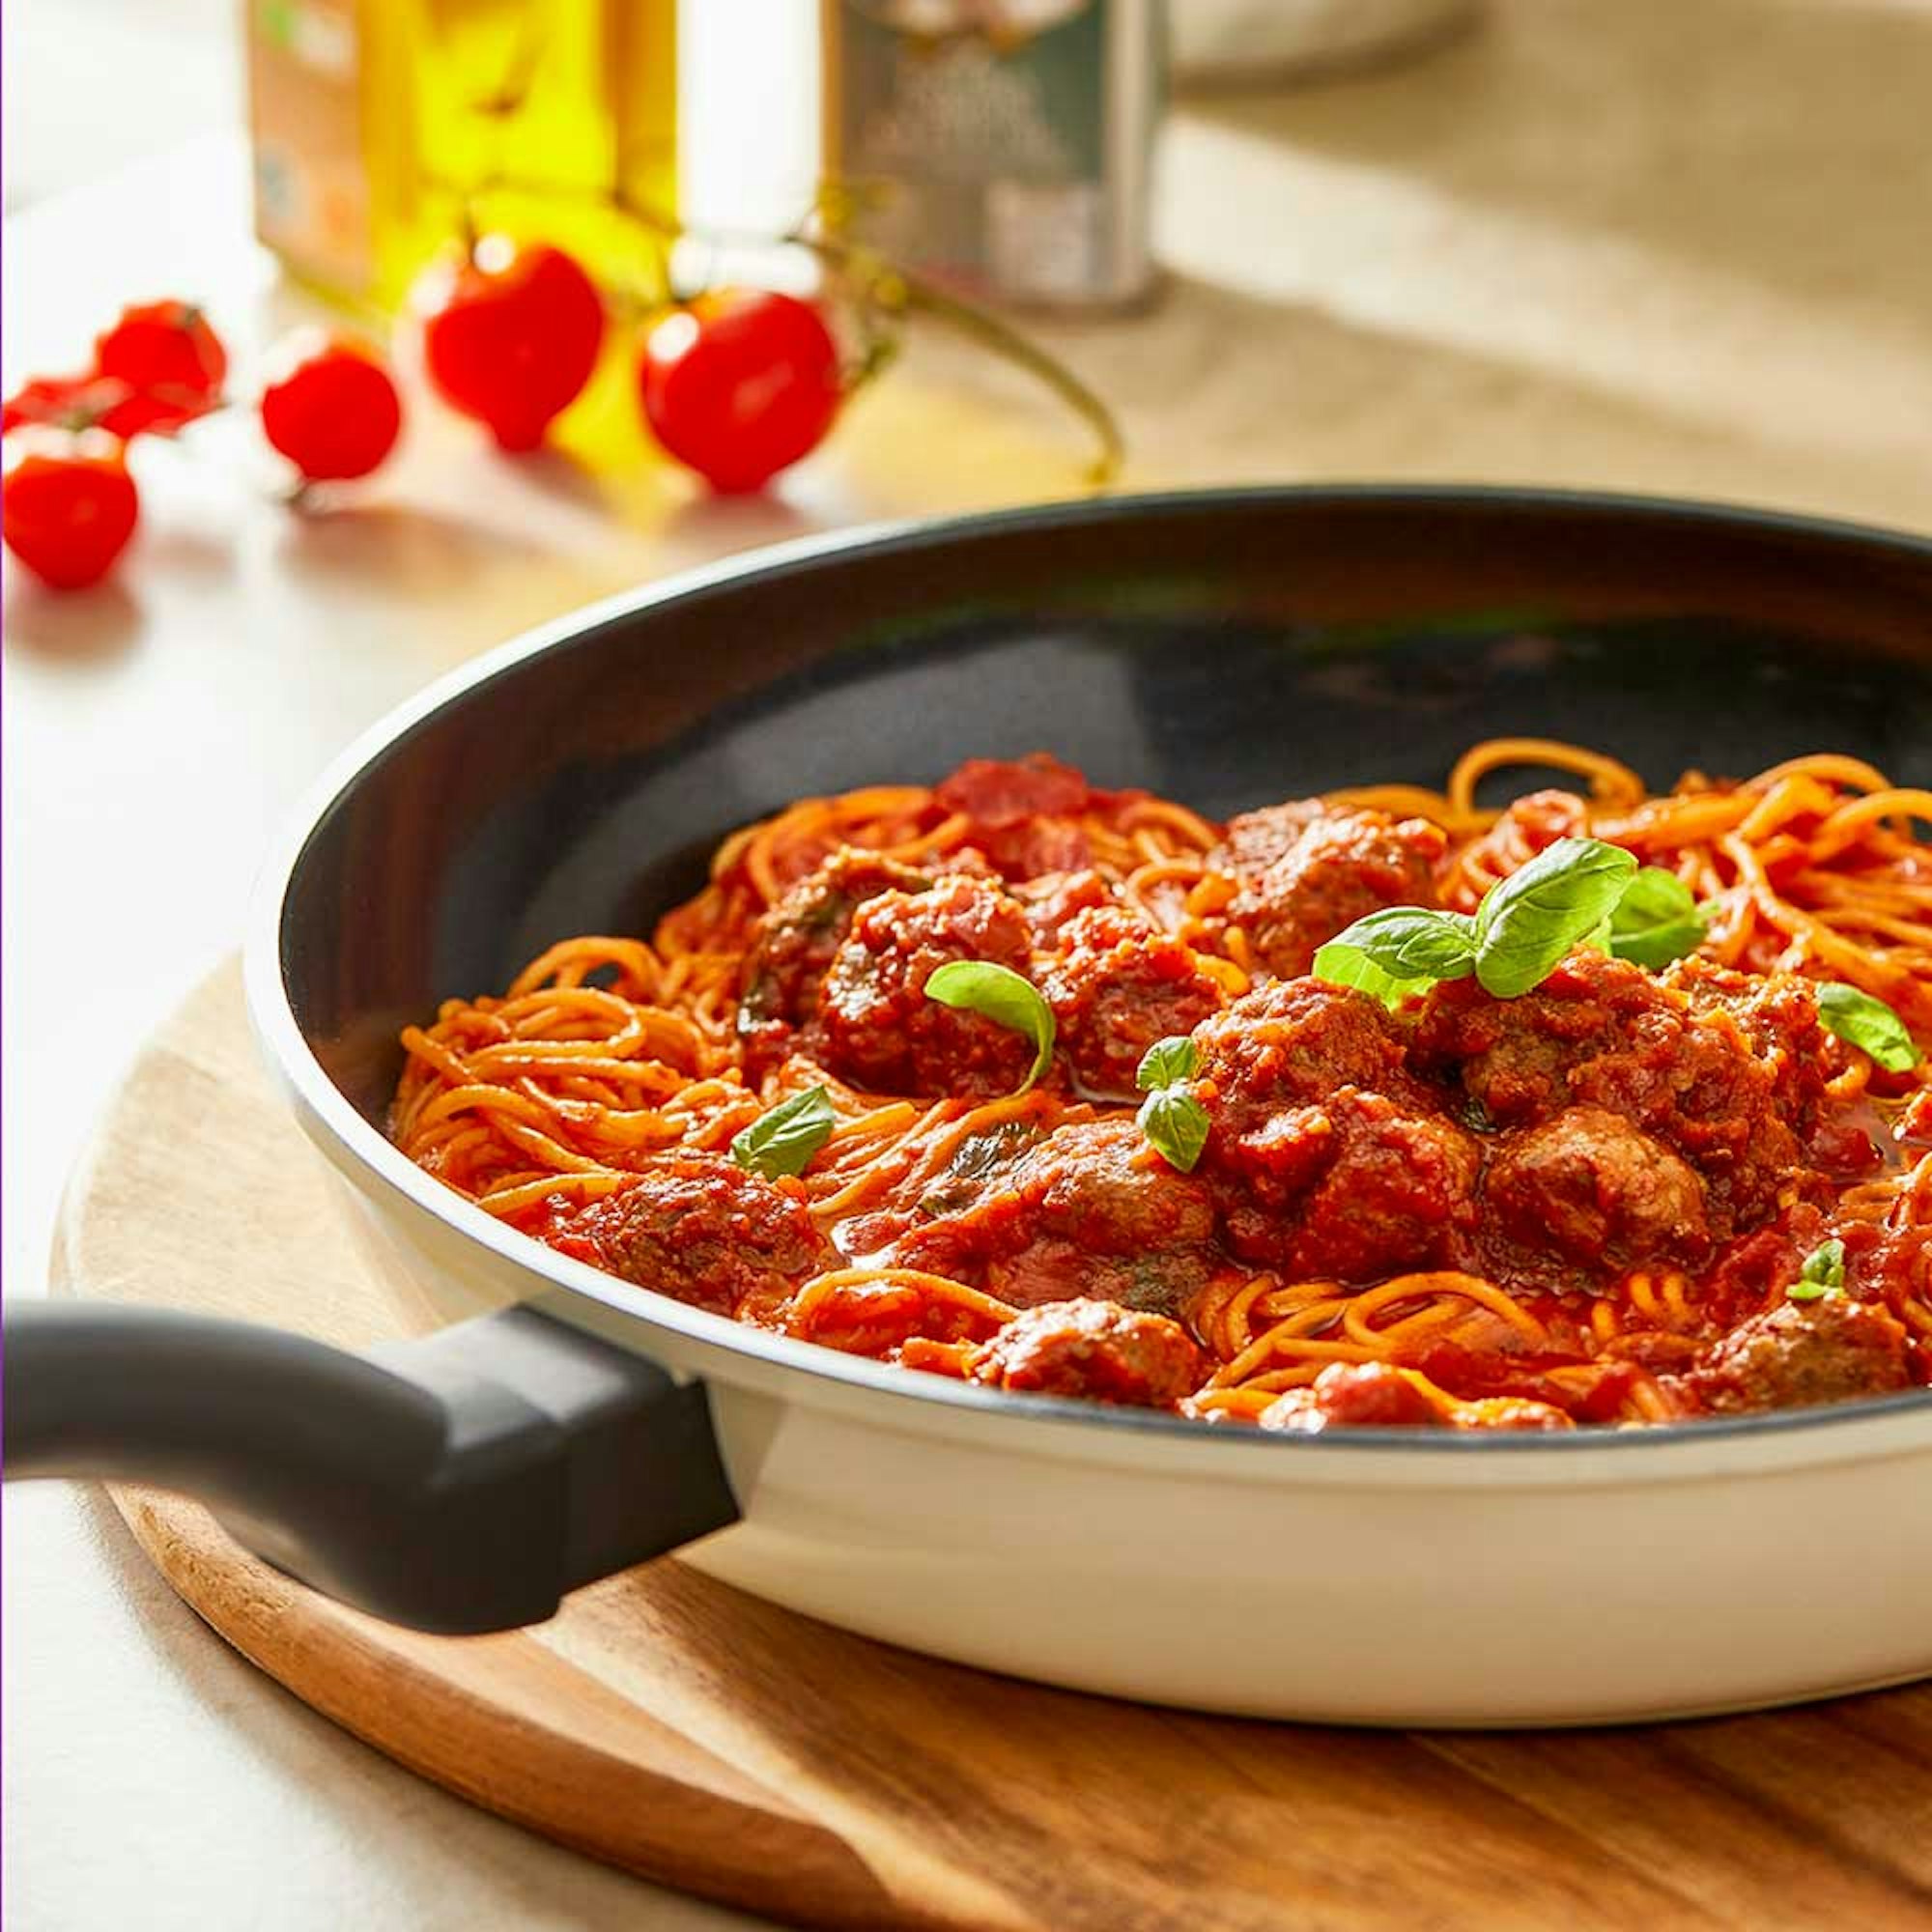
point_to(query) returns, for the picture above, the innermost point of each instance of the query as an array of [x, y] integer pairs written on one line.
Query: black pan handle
[[460, 1482]]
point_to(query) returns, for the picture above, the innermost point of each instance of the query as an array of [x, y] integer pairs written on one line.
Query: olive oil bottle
[[386, 129]]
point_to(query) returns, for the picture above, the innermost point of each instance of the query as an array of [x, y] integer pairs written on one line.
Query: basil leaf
[[783, 1140], [1003, 997], [1175, 1124], [1167, 1063], [1173, 1121], [1398, 952], [1657, 919], [1823, 1274], [1344, 965], [1868, 1024], [1598, 938], [1657, 948], [1527, 922], [1415, 942]]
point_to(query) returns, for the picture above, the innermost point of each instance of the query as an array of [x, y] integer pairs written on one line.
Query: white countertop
[[1674, 244]]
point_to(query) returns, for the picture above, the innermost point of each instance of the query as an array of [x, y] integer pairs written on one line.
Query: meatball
[[1255, 840], [1164, 1283], [1778, 1012], [1589, 1187], [795, 942], [1310, 1100], [1056, 899], [1357, 1189], [1776, 1017], [1023, 812], [701, 1229], [1514, 1057], [1800, 1354], [881, 1032], [1099, 1184], [1089, 1209], [1095, 1351], [1115, 989], [1355, 1395], [996, 793], [1602, 1033], [1108, 1218], [1291, 1042], [1344, 865]]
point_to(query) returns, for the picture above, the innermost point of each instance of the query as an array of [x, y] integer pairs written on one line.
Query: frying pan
[[1228, 649]]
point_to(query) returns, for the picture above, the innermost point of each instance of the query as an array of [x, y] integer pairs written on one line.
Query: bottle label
[[306, 116]]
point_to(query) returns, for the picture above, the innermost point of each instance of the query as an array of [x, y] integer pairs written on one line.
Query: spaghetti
[[1602, 1202]]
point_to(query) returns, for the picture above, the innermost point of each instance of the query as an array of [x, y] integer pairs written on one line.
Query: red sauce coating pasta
[[1625, 1196]]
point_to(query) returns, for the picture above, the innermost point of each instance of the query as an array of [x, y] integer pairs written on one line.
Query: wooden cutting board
[[681, 1730]]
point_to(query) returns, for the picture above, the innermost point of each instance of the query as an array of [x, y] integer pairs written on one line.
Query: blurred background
[[94, 85], [83, 95], [1666, 243]]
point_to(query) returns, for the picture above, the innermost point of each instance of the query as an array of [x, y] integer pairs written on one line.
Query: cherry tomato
[[92, 401], [170, 359], [67, 507], [740, 384], [511, 335], [329, 405], [69, 402]]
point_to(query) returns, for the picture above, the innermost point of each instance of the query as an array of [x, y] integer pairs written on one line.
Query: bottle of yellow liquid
[[521, 115], [385, 130]]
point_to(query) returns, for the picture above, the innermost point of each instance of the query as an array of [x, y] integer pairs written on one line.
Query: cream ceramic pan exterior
[[1412, 1581], [1383, 1578]]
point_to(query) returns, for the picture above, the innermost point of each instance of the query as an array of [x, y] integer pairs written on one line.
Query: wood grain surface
[[677, 1728]]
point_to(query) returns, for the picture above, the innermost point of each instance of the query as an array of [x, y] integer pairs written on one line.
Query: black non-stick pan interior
[[1227, 650]]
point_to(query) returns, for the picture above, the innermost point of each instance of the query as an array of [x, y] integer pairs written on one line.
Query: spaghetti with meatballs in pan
[[1379, 1108]]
